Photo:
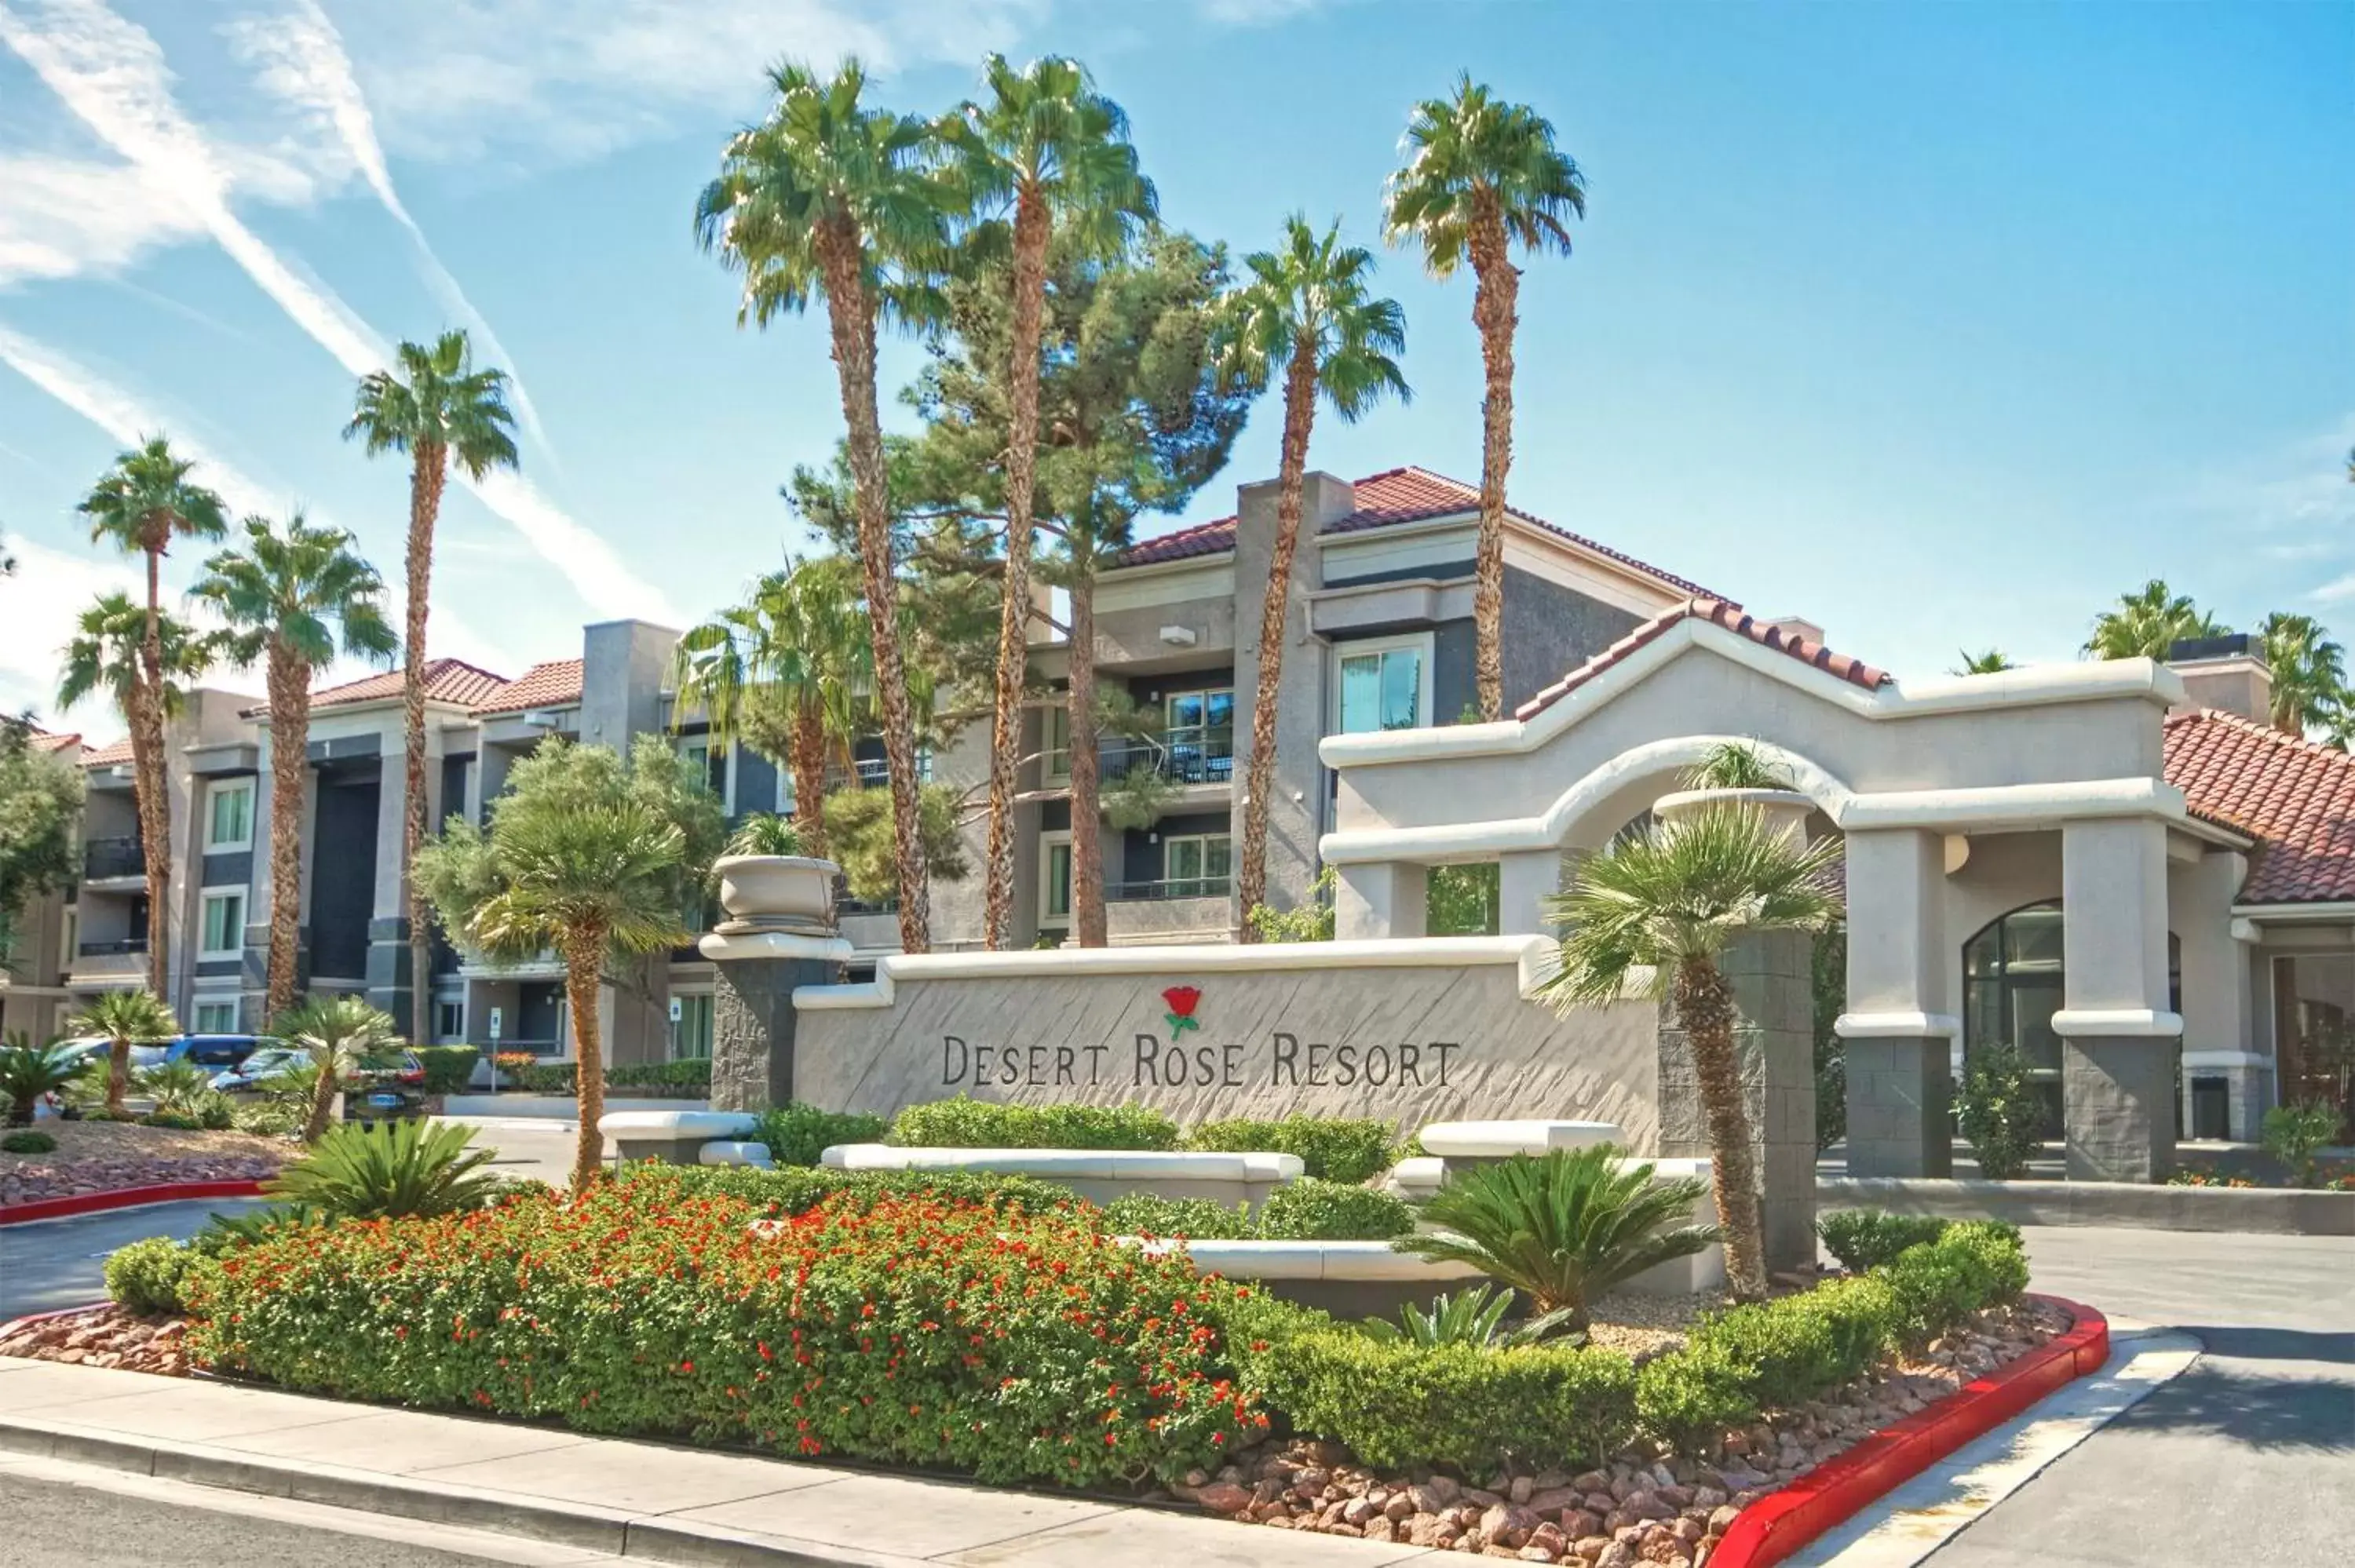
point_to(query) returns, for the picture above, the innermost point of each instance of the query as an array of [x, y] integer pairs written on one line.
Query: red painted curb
[[1779, 1524], [124, 1198]]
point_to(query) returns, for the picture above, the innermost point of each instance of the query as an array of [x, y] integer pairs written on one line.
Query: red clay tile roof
[[446, 681], [2295, 797], [1734, 619], [44, 741], [108, 756], [553, 685], [1395, 495]]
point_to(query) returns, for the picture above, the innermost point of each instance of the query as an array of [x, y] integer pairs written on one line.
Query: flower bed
[[93, 1157]]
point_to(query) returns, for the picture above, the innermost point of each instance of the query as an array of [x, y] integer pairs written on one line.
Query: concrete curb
[[2255, 1211], [125, 1198]]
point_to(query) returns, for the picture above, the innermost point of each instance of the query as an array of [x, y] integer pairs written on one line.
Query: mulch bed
[[108, 1156]]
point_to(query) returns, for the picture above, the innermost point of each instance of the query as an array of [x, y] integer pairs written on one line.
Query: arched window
[[2014, 975]]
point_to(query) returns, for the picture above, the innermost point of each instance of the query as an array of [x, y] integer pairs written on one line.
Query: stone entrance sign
[[1435, 1030]]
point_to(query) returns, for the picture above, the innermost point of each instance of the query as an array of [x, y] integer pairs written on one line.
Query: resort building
[[2121, 868]]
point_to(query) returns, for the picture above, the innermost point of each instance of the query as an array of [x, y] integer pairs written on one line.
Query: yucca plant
[[413, 1167], [125, 1019], [1476, 1317], [28, 1071], [1561, 1228], [765, 833]]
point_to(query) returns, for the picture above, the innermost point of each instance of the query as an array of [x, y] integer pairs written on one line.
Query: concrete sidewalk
[[637, 1499]]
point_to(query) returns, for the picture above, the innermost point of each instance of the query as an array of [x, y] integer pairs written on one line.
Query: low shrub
[[449, 1069], [797, 1189], [145, 1276], [1196, 1219], [914, 1330], [1999, 1111], [1867, 1238], [2204, 1176], [1975, 1265], [1475, 1317], [1309, 1210], [689, 1077], [686, 1073], [797, 1134], [1331, 1149], [174, 1120], [27, 1143], [268, 1117], [2292, 1133], [965, 1123]]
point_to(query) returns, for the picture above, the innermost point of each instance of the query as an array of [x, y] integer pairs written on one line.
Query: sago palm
[[1481, 176], [2149, 623], [2310, 672], [414, 1169], [587, 882], [125, 1019], [292, 597], [1670, 899], [1561, 1228], [343, 1034], [436, 409], [1045, 152], [1305, 315], [829, 198], [28, 1071], [789, 670], [145, 502]]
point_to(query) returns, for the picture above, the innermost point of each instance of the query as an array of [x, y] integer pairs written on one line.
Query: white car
[[255, 1071]]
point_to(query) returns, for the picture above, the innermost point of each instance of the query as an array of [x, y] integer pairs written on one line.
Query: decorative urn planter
[[777, 892], [1785, 810]]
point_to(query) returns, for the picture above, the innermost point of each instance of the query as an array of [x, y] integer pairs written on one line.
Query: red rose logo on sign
[[1182, 1000]]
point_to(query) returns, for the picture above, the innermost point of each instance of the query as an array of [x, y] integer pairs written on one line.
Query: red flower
[[1182, 999]]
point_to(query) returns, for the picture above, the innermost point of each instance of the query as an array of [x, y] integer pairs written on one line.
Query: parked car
[[393, 1091], [255, 1071], [218, 1051]]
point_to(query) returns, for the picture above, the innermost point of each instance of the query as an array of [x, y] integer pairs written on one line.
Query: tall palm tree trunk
[[426, 479], [323, 1096], [850, 315], [1031, 227], [289, 733], [1494, 300], [1087, 836], [1705, 1006], [151, 770], [805, 760], [118, 1074], [584, 957], [1299, 412]]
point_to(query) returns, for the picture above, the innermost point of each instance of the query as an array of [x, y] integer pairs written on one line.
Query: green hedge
[[145, 1276], [449, 1069], [688, 1077], [797, 1189], [797, 1134], [1196, 1219], [1784, 1352], [1305, 1210], [1333, 1149], [1867, 1238], [964, 1123]]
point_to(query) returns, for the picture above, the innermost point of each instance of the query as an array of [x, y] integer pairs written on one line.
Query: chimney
[[2225, 673]]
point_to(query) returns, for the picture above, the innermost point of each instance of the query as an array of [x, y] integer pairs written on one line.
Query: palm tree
[[289, 597], [343, 1034], [1991, 663], [1055, 153], [789, 670], [125, 1019], [2148, 624], [1482, 176], [1671, 899], [2310, 672], [145, 502], [587, 881], [1305, 315], [829, 198], [437, 409]]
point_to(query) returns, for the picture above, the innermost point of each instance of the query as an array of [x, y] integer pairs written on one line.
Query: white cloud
[[39, 605], [112, 75]]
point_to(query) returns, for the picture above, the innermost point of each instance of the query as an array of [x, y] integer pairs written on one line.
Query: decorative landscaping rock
[[103, 1337]]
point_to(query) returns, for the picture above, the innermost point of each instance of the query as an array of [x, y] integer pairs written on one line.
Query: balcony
[[108, 963], [130, 946], [1183, 757], [104, 859], [1169, 889]]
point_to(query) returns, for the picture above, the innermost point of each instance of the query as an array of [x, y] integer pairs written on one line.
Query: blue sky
[[1938, 325]]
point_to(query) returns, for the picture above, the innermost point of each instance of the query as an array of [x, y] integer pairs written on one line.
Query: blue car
[[218, 1052]]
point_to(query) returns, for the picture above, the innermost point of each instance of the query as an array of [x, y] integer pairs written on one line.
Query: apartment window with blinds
[[1055, 880], [231, 821], [1199, 865], [224, 923], [215, 1017], [1383, 685], [691, 1035]]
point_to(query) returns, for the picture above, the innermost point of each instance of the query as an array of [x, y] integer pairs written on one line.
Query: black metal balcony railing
[[1185, 757], [124, 948], [1169, 887], [102, 858]]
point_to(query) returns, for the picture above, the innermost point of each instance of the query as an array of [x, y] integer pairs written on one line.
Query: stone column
[[2120, 1039], [779, 934], [1380, 898], [1771, 974], [1897, 1027]]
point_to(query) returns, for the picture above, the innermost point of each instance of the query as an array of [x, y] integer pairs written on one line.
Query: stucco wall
[[1448, 1041], [1549, 630]]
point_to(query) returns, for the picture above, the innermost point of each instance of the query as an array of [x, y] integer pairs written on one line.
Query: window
[[1056, 728], [1200, 865], [691, 1035], [450, 1020], [230, 825], [215, 1017], [1383, 686], [224, 923], [1200, 732], [1054, 880]]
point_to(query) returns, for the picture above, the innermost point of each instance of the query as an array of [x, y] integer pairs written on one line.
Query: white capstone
[[729, 1151], [656, 1126], [1298, 1260], [1492, 1139], [1071, 1164]]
